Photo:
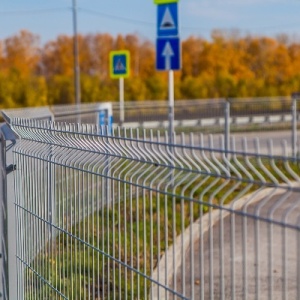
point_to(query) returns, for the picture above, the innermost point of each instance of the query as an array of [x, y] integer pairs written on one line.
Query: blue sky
[[50, 18]]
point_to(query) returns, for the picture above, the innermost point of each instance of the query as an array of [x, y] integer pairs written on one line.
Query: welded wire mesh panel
[[130, 216], [209, 115], [261, 113]]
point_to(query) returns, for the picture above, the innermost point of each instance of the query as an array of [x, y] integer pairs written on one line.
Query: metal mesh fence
[[128, 215], [210, 115], [205, 115]]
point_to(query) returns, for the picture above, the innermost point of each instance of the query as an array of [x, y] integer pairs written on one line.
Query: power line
[[106, 15], [35, 11], [130, 20]]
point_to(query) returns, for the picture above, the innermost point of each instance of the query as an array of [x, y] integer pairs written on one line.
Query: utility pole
[[76, 59]]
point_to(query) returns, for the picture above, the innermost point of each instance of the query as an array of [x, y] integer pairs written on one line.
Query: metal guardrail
[[128, 215]]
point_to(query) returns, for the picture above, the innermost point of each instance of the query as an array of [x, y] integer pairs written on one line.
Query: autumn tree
[[226, 65], [20, 83]]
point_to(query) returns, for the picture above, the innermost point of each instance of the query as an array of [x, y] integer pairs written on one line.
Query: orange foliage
[[227, 65]]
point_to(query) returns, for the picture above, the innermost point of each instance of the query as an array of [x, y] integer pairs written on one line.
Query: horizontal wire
[[39, 276], [34, 11], [131, 20], [102, 252], [106, 15]]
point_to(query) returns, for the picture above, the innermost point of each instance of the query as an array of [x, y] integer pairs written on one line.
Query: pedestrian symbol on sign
[[120, 66], [167, 21]]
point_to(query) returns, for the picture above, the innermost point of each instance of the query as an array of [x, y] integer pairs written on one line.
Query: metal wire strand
[[125, 214]]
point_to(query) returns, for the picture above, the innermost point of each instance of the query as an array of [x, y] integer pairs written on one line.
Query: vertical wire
[[138, 296], [119, 234], [98, 205], [244, 241], [44, 216], [53, 221], [103, 234], [158, 238], [18, 232], [166, 232], [74, 184], [125, 233], [182, 246], [271, 280], [104, 259], [19, 215], [232, 253], [41, 237], [174, 239], [85, 221], [27, 216], [298, 260], [211, 243], [113, 207], [69, 244], [108, 207], [151, 222], [131, 230], [257, 257], [137, 237], [284, 263], [60, 225], [94, 210], [90, 284]]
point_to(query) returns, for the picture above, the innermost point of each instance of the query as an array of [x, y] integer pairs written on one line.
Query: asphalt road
[[265, 264]]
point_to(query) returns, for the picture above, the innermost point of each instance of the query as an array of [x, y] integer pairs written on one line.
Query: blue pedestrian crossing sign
[[119, 64], [167, 20], [168, 54]]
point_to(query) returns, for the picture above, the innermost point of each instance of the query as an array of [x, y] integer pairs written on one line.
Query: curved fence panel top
[[126, 214]]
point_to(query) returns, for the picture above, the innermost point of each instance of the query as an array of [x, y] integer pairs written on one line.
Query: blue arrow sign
[[167, 20], [168, 54]]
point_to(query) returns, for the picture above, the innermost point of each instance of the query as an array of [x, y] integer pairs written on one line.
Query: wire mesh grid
[[127, 215]]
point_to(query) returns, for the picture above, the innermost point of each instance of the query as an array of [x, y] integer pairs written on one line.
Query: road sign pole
[[171, 105], [121, 96], [168, 50], [294, 127], [120, 69]]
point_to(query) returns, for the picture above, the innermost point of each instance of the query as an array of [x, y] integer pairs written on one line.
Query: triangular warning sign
[[120, 66], [167, 21]]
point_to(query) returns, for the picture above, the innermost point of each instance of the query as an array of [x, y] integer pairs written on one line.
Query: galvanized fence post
[[7, 215], [227, 125], [294, 124]]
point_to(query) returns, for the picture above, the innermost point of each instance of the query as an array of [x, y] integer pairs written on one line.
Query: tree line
[[226, 65]]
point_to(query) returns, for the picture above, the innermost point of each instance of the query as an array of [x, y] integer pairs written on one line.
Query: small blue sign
[[105, 120], [168, 54], [120, 65], [167, 20], [102, 118]]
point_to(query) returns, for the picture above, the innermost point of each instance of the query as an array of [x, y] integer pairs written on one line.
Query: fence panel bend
[[127, 215]]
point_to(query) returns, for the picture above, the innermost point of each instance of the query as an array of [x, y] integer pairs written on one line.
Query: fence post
[[7, 215], [294, 125], [227, 126]]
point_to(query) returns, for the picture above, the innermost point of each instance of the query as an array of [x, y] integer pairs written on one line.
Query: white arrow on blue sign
[[167, 20], [168, 53]]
